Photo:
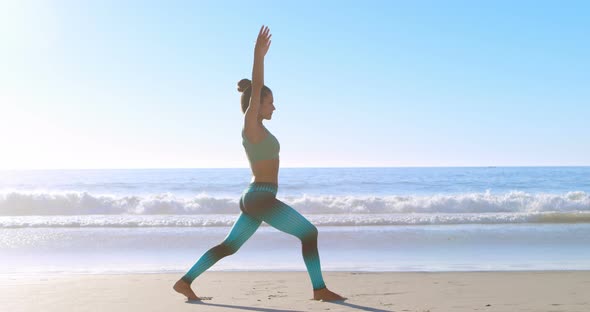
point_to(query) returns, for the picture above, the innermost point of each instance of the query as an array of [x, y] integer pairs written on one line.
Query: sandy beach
[[290, 291]]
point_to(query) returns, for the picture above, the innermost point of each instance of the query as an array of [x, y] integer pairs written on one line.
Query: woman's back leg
[[241, 231]]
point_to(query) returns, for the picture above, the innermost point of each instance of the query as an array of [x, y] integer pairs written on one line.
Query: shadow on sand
[[342, 303]]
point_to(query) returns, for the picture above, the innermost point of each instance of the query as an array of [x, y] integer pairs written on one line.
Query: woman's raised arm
[[260, 49]]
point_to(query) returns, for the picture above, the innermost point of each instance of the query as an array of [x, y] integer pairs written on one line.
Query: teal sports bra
[[268, 148]]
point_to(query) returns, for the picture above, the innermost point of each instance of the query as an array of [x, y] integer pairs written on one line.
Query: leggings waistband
[[262, 187]]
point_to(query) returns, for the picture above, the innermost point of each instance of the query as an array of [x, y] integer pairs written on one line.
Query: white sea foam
[[81, 209], [19, 203], [130, 221]]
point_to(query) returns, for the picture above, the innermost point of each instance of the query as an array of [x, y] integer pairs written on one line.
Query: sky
[[153, 84]]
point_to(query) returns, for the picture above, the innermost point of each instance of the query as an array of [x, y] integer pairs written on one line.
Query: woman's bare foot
[[326, 295], [185, 289]]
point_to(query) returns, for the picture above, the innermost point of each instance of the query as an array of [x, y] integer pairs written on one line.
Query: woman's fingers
[[267, 37], [261, 30], [263, 41], [264, 32]]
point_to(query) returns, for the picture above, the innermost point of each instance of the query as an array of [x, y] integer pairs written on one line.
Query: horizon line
[[303, 167]]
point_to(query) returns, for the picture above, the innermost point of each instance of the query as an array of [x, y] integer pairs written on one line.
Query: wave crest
[[16, 203]]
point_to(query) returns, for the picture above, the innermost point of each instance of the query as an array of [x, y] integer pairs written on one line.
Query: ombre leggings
[[259, 203]]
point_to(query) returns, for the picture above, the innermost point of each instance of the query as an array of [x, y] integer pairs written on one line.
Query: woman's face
[[267, 106]]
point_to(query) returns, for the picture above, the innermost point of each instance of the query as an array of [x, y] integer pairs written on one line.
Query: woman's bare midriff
[[266, 170]]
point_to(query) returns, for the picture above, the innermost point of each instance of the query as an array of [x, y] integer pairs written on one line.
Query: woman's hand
[[263, 42]]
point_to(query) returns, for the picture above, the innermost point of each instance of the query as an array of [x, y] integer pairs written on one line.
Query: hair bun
[[244, 84]]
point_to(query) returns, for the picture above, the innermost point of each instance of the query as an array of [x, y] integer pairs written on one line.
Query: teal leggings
[[259, 203]]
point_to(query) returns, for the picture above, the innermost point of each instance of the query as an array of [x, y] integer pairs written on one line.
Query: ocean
[[369, 219]]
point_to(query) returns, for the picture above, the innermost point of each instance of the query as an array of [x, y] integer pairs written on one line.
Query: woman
[[258, 202]]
